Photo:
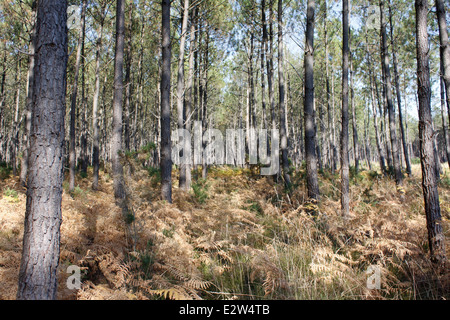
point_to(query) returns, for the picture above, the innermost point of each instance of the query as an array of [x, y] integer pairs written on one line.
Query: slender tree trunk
[[367, 139], [95, 126], [429, 180], [383, 127], [445, 56], [333, 118], [128, 83], [2, 103], [375, 122], [83, 136], [252, 82], [204, 98], [399, 99], [282, 95], [180, 87], [29, 100], [310, 147], [41, 242], [166, 149], [270, 72], [390, 106], [116, 139], [444, 120], [345, 197], [354, 124], [15, 123], [328, 97], [263, 58], [73, 105], [189, 89]]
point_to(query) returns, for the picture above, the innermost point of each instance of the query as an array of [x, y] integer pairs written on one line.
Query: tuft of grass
[[11, 193]]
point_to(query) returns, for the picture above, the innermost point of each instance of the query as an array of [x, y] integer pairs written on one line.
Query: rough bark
[[282, 99], [331, 146], [444, 49], [398, 93], [429, 180], [345, 197], [95, 125], [116, 139], [41, 242], [29, 100], [390, 106], [73, 104], [181, 86], [310, 147], [189, 90], [354, 124], [444, 120], [166, 150]]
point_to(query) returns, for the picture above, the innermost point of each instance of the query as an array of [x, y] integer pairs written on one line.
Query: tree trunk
[[444, 53], [354, 124], [166, 149], [2, 103], [444, 120], [15, 123], [375, 120], [204, 99], [95, 126], [116, 139], [189, 89], [73, 105], [180, 87], [263, 58], [345, 197], [331, 145], [29, 100], [83, 136], [390, 106], [429, 180], [270, 72], [399, 100], [41, 242], [282, 96], [128, 84], [310, 147]]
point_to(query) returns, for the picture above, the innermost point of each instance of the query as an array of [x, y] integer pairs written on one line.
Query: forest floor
[[236, 235]]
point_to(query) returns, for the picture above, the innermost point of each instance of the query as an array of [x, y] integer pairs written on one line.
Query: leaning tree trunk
[[345, 197], [116, 139], [166, 150], [429, 180], [310, 147], [41, 241]]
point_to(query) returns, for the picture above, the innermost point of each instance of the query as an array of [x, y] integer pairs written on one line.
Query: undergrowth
[[236, 235]]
